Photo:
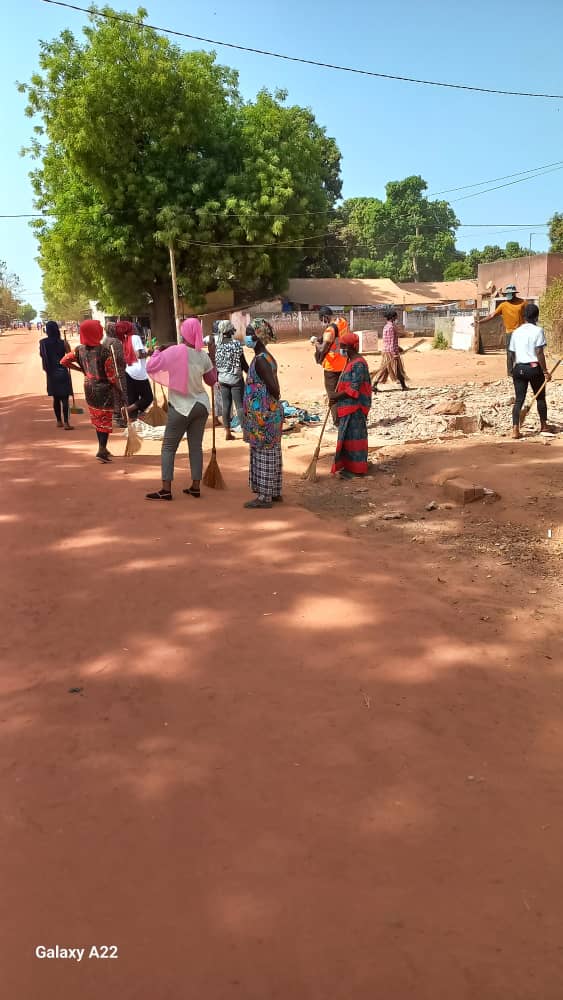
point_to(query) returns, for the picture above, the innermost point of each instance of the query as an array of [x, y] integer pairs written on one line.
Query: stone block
[[463, 491]]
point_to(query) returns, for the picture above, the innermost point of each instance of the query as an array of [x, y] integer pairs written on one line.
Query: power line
[[493, 180], [508, 184], [300, 59]]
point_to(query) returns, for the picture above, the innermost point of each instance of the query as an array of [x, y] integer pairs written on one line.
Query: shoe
[[159, 495], [258, 504], [68, 427], [192, 493], [60, 423]]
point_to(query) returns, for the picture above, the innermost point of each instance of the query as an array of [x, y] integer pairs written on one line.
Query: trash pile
[[427, 413]]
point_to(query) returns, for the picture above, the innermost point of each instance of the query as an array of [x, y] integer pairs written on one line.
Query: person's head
[[91, 332], [325, 314], [391, 315], [531, 313], [350, 342], [52, 330], [225, 329], [124, 329], [510, 292], [110, 329], [258, 334], [192, 333]]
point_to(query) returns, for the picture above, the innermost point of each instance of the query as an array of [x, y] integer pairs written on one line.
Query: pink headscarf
[[170, 367]]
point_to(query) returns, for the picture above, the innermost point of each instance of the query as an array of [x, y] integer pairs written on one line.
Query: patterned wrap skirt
[[392, 368], [100, 401], [352, 445], [265, 472]]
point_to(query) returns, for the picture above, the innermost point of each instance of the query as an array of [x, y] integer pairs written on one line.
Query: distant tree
[[10, 300], [27, 312], [458, 269], [139, 142], [556, 233], [363, 267]]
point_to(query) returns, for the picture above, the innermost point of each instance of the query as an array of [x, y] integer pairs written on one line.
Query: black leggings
[[60, 406], [139, 393], [523, 376], [102, 440]]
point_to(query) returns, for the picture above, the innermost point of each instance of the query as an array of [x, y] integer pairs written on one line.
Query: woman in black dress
[[59, 386]]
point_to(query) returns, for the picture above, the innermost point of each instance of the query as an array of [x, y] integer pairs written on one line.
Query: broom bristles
[[310, 474], [155, 416], [133, 443], [212, 477]]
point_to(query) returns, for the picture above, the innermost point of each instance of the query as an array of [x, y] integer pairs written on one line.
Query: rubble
[[412, 416]]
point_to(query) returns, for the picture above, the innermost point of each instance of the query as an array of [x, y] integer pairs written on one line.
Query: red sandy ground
[[308, 762]]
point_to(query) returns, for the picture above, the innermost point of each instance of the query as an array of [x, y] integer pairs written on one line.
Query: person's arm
[[329, 336], [139, 347], [491, 316], [157, 361], [69, 361], [243, 361], [540, 354], [209, 372], [269, 377]]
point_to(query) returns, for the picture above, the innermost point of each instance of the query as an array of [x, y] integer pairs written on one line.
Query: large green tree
[[556, 233], [139, 143], [468, 263], [406, 236], [27, 312]]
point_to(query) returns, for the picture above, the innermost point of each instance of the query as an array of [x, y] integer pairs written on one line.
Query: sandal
[[258, 504], [159, 495], [104, 457], [192, 493]]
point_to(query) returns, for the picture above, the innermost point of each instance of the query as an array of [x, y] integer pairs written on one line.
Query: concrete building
[[531, 275]]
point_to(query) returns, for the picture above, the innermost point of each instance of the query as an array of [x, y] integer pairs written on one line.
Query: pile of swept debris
[[425, 414]]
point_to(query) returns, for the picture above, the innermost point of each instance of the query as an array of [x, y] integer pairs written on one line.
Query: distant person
[[512, 313], [392, 366], [230, 363], [329, 355], [139, 392], [263, 418], [96, 364], [354, 402], [52, 350], [527, 345], [115, 345]]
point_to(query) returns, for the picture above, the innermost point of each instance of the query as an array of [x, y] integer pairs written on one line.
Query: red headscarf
[[350, 340], [124, 330], [91, 332]]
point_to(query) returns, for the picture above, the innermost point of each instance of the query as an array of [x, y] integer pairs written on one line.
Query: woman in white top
[[527, 344], [139, 392], [183, 368]]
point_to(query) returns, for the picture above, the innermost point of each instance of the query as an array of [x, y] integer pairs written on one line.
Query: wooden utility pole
[[175, 291]]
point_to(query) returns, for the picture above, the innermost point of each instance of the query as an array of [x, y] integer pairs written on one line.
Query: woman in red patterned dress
[[100, 377]]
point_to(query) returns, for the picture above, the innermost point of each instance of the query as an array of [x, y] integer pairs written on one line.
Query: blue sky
[[386, 130]]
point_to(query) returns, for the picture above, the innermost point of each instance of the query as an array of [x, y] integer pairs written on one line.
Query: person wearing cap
[[354, 396], [512, 313], [329, 355]]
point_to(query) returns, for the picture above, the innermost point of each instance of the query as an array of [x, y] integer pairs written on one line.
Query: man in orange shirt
[[328, 355], [512, 313]]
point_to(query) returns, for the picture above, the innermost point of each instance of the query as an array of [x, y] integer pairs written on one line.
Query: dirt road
[[306, 759]]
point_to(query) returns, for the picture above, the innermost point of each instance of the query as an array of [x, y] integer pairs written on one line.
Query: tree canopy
[[556, 233], [467, 264], [139, 142], [10, 299]]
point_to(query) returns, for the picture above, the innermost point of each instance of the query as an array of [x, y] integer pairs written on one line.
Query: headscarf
[[91, 332], [350, 340], [224, 328], [52, 330], [192, 333], [124, 331], [170, 367], [263, 330]]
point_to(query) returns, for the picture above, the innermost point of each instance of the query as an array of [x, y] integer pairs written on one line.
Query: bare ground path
[[300, 765]]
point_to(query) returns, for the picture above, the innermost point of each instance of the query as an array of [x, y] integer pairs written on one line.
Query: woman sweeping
[[392, 366], [183, 368], [139, 392], [115, 343], [263, 418], [100, 377], [230, 363], [52, 350], [354, 403]]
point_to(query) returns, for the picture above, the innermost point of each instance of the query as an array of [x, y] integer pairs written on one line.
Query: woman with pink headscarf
[[183, 369]]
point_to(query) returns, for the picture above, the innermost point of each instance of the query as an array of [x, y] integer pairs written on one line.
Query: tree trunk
[[162, 314]]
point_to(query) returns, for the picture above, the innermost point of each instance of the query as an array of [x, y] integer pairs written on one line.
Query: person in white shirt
[[527, 345], [139, 392]]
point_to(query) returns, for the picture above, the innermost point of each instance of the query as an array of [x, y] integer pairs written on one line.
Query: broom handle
[[214, 418], [318, 448], [119, 380], [539, 392]]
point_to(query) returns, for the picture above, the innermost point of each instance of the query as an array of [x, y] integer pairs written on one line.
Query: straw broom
[[134, 442], [311, 472], [526, 409], [212, 477], [155, 415]]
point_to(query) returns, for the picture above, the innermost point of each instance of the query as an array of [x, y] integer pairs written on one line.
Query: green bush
[[440, 343], [551, 315]]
